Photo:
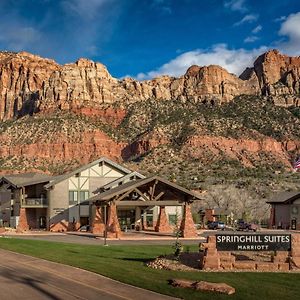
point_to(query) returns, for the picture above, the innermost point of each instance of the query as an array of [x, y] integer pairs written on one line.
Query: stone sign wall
[[214, 259]]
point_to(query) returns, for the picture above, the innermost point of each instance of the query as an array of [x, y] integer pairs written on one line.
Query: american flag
[[296, 165]]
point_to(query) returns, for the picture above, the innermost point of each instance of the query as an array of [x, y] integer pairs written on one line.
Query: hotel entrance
[[126, 219]]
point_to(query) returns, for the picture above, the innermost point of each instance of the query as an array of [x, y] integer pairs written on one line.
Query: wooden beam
[[153, 190], [141, 194], [124, 195], [159, 196], [148, 203]]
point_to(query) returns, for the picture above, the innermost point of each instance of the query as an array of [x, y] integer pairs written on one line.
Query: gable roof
[[284, 197], [106, 160], [107, 186], [107, 195], [25, 179]]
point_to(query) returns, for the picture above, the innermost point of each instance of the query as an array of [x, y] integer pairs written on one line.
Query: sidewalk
[[135, 235], [76, 276]]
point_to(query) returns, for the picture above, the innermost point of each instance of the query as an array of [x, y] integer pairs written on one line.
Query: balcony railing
[[35, 202]]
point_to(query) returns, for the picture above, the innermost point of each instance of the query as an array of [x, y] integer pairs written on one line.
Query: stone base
[[59, 227], [211, 263], [284, 267], [73, 226], [162, 224], [23, 221], [244, 265], [114, 235], [266, 266], [226, 265], [98, 228], [187, 226], [98, 225]]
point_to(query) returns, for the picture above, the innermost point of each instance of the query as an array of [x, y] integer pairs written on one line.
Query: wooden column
[[98, 225], [162, 224], [113, 226], [187, 226]]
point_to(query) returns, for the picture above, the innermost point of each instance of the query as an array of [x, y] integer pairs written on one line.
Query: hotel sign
[[253, 242]]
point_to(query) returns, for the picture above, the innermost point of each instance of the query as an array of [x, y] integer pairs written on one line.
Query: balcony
[[35, 202]]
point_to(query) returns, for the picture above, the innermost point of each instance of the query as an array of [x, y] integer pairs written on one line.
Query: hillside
[[207, 130]]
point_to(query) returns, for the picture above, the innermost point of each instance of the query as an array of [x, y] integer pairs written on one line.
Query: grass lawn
[[127, 264]]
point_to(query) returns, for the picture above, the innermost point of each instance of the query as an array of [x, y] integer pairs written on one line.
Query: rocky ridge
[[54, 118], [31, 84]]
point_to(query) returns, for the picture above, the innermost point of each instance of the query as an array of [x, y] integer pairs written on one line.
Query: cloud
[[257, 29], [233, 60], [290, 28], [251, 39], [69, 29], [164, 6], [236, 5], [83, 8], [280, 19], [17, 34], [247, 19]]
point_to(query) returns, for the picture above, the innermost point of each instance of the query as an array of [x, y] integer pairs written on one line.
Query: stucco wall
[[58, 203]]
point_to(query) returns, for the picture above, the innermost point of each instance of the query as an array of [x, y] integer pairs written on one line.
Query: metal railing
[[34, 202]]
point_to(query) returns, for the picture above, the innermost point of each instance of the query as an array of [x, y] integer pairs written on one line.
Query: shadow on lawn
[[144, 260]]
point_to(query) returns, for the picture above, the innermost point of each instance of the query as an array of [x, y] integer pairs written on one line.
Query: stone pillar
[[295, 252], [209, 215], [162, 224], [98, 225], [187, 226], [23, 222], [211, 258], [113, 226]]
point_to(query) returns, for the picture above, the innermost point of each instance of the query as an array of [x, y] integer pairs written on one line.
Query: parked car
[[84, 228], [245, 226], [216, 225]]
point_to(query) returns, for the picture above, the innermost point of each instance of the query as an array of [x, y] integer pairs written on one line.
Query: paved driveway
[[91, 240], [24, 277]]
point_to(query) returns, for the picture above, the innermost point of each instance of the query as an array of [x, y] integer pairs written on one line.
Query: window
[[73, 197], [172, 219], [84, 195]]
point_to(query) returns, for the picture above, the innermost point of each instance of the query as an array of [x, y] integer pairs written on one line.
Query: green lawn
[[126, 264]]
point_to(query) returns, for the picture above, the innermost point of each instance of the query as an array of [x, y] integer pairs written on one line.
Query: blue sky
[[147, 38]]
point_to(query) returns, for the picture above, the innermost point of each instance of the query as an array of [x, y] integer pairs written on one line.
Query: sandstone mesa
[[31, 84]]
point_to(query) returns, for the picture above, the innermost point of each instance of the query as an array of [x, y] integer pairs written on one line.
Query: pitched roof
[[284, 197], [60, 178], [107, 195], [25, 179], [118, 180]]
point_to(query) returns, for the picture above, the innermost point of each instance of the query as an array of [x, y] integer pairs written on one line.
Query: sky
[[148, 38]]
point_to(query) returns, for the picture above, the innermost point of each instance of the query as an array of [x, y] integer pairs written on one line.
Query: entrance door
[[126, 218], [84, 221]]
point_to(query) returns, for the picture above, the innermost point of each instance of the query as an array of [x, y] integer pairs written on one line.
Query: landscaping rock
[[203, 286], [214, 287]]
